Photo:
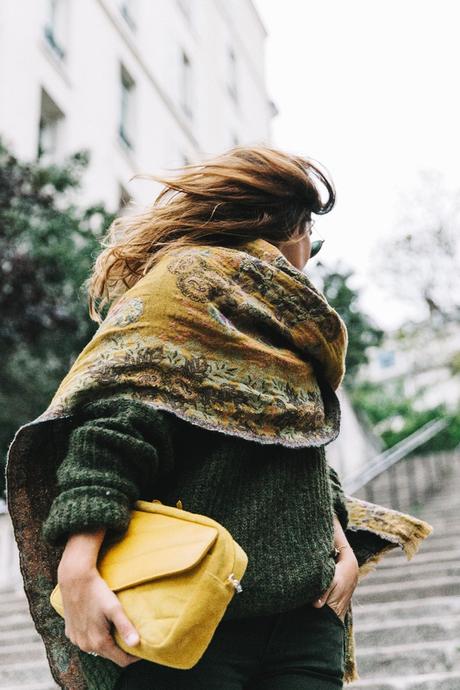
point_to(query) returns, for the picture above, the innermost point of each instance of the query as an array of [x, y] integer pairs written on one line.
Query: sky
[[369, 89]]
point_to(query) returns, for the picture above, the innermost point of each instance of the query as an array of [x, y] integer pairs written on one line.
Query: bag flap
[[153, 546]]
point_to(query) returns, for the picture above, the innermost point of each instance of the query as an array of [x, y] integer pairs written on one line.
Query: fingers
[[97, 637], [90, 612], [339, 605], [321, 600], [104, 645], [123, 625], [340, 590], [336, 606]]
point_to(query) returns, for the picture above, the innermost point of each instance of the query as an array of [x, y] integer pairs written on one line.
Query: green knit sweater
[[277, 502]]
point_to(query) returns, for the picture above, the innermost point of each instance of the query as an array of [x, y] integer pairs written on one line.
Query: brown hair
[[247, 192]]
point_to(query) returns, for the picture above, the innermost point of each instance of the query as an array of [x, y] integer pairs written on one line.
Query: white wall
[[355, 446], [85, 85]]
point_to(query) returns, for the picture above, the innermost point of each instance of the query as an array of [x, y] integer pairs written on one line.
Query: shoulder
[[185, 259]]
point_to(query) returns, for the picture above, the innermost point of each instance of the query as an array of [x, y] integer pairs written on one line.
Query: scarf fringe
[[394, 526], [412, 543], [350, 665], [399, 529]]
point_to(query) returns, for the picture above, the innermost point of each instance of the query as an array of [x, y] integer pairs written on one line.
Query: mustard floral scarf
[[225, 339], [231, 339]]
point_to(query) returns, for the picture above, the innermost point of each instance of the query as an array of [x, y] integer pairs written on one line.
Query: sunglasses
[[315, 247]]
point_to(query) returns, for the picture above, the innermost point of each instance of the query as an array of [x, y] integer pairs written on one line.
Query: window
[[127, 96], [55, 28], [186, 85], [232, 74], [128, 11], [49, 129]]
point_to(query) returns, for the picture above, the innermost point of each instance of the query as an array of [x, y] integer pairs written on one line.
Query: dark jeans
[[299, 649]]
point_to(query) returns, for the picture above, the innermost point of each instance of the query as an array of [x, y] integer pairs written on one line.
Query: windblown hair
[[248, 192]]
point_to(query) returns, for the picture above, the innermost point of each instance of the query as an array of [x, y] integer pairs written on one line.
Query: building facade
[[422, 361], [144, 85]]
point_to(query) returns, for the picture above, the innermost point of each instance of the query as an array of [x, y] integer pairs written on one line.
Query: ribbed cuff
[[86, 508]]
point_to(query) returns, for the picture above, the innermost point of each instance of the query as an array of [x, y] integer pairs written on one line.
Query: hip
[[301, 644]]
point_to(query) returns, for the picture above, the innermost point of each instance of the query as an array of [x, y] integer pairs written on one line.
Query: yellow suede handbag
[[175, 573]]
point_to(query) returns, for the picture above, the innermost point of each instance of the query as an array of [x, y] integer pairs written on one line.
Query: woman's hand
[[90, 606], [340, 591]]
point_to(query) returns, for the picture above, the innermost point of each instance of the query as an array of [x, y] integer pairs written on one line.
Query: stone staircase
[[407, 613], [23, 663]]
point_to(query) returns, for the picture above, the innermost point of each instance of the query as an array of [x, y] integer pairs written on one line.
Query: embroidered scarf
[[231, 339]]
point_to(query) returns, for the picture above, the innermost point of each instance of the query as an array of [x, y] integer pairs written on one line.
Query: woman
[[211, 380]]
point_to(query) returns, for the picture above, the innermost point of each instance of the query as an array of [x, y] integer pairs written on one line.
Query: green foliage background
[[47, 247]]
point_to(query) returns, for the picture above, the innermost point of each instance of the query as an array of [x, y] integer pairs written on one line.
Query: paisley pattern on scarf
[[126, 311], [235, 340]]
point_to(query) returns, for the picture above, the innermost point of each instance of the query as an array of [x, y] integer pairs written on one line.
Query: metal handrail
[[392, 455]]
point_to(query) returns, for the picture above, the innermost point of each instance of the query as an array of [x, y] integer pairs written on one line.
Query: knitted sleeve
[[115, 452], [339, 502]]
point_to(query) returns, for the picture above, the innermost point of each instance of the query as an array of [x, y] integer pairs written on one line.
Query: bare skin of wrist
[[91, 609], [339, 593]]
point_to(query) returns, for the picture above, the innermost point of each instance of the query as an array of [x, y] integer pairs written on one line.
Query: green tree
[[362, 332], [394, 415], [47, 247]]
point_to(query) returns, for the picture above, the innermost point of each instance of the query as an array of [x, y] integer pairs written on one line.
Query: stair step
[[12, 595], [15, 620], [15, 636], [364, 613], [437, 541], [23, 673], [416, 571], [396, 558], [27, 651], [7, 607], [409, 658], [378, 633], [448, 680], [446, 586]]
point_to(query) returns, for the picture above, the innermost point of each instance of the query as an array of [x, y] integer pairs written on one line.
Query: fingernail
[[320, 601], [132, 639]]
